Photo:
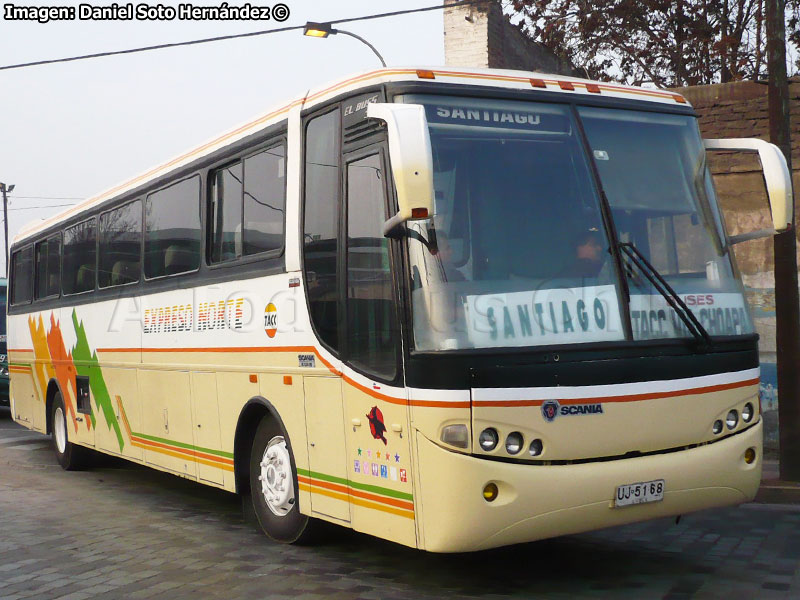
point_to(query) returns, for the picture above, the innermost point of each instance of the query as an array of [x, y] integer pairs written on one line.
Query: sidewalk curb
[[778, 492]]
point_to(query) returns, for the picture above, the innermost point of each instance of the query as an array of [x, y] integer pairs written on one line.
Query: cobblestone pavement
[[122, 531]]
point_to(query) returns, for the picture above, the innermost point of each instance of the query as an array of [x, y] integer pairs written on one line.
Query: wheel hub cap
[[60, 430], [277, 485]]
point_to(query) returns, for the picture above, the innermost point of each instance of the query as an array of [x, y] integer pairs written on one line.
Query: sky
[[70, 131]]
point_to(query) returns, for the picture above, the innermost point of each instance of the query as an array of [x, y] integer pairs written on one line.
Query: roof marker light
[[538, 83], [425, 74], [593, 88], [566, 85], [679, 99]]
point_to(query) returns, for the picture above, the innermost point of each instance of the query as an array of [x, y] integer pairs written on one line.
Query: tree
[[668, 43]]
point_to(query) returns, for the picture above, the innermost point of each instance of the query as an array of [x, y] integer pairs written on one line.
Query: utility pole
[[787, 300], [4, 189]]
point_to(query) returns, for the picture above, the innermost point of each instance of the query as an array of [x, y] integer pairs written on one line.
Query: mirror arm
[[392, 227], [751, 235]]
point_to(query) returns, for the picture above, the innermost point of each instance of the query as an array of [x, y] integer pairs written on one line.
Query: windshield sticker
[[719, 314], [584, 314]]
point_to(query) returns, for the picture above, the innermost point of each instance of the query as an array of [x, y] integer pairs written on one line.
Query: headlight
[[488, 439], [4, 371], [717, 427], [514, 443], [536, 448], [732, 420], [747, 412]]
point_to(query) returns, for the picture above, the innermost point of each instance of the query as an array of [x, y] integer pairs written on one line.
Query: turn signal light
[[456, 435], [419, 213]]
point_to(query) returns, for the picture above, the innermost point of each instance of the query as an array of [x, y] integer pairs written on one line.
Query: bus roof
[[497, 78]]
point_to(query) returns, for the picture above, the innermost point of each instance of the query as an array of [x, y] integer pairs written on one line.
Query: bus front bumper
[[538, 501]]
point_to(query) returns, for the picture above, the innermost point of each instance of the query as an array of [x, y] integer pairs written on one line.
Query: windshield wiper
[[673, 299]]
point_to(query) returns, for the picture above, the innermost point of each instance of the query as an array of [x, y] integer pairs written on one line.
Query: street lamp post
[[323, 30], [5, 189]]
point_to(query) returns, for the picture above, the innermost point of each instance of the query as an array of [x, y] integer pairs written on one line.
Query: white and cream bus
[[454, 309]]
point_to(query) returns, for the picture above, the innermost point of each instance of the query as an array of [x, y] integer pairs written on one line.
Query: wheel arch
[[249, 418], [52, 388]]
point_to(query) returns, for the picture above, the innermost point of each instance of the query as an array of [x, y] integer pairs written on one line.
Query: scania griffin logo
[[550, 410]]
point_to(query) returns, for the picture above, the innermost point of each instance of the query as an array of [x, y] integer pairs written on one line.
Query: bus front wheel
[[70, 456], [273, 486]]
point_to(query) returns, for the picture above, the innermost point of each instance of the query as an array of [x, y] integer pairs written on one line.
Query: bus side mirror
[[776, 177], [411, 159]]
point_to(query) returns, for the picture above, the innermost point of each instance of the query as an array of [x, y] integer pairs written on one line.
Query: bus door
[[376, 414]]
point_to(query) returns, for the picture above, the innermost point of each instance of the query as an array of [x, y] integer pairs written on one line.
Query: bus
[[4, 379], [455, 309]]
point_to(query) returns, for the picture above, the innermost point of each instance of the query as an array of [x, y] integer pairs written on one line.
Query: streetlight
[[5, 189], [323, 30]]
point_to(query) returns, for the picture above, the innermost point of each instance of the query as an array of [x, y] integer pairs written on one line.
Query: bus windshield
[[518, 253]]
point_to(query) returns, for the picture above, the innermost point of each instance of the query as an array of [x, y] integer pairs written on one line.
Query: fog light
[[490, 492], [456, 435], [748, 412], [488, 439], [732, 419], [514, 442], [750, 455], [536, 448], [717, 427]]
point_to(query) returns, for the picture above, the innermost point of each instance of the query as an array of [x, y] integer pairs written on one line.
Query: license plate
[[639, 493]]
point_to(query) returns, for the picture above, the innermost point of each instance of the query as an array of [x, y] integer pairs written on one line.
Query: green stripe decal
[[359, 486], [153, 438]]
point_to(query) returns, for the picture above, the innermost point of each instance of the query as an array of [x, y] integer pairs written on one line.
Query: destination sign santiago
[[591, 314]]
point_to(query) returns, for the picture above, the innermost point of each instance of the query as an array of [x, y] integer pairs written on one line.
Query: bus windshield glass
[[518, 254], [653, 170]]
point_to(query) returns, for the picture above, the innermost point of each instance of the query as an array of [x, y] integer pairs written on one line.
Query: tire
[[273, 487], [70, 456]]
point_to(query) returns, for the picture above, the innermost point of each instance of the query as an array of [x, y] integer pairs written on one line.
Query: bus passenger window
[[264, 201], [320, 226], [48, 267], [22, 276], [120, 245], [246, 209], [80, 251], [225, 218], [172, 230]]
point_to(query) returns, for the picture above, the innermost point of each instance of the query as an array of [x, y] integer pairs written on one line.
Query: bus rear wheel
[[273, 486], [70, 456]]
